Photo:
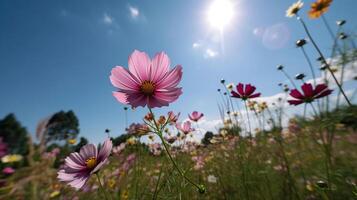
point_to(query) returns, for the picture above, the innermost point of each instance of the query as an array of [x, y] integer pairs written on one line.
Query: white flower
[[212, 179]]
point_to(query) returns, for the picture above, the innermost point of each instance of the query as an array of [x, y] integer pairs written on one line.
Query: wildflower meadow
[[263, 132]]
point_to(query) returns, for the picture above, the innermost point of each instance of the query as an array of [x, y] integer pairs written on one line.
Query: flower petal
[[105, 150], [163, 97], [88, 151], [249, 89], [254, 95], [319, 88], [236, 95], [99, 165], [122, 97], [307, 89], [240, 89], [123, 79], [159, 66], [171, 79], [140, 65], [295, 102], [323, 94], [296, 94]]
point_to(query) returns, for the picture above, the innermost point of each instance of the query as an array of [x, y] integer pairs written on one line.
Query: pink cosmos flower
[[170, 139], [80, 166], [199, 162], [119, 149], [195, 116], [8, 170], [155, 149], [245, 93], [185, 127], [148, 82], [309, 94]]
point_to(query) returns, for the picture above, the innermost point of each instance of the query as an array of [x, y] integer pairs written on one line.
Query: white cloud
[[134, 12], [107, 19], [210, 53]]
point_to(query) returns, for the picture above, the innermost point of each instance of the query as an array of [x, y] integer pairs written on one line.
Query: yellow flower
[[125, 195], [71, 141], [318, 8], [223, 132], [294, 9], [131, 141], [111, 183], [55, 194], [11, 158], [309, 186], [230, 86]]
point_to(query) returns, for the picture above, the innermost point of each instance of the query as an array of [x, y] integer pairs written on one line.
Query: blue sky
[[57, 55]]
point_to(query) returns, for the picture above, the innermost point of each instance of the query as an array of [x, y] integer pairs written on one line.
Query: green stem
[[323, 59], [290, 79], [101, 186], [200, 188], [250, 128]]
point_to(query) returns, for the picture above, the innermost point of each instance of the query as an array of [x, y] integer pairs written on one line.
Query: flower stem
[[328, 27], [101, 186], [313, 108], [323, 58], [200, 188], [250, 128], [290, 79]]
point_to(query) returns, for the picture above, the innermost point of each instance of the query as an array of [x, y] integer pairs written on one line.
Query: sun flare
[[220, 13]]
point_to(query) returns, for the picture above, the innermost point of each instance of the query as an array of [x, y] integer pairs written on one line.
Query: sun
[[220, 13]]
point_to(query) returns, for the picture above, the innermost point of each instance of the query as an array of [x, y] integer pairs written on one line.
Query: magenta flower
[[245, 93], [195, 116], [78, 167], [148, 82], [309, 94], [185, 127], [8, 170]]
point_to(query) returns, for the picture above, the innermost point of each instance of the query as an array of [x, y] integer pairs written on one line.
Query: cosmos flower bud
[[340, 22], [343, 36], [286, 88], [230, 86], [323, 67], [218, 90], [223, 81], [280, 84], [280, 67], [299, 76], [225, 93], [125, 108], [300, 43], [162, 120], [322, 184], [319, 59], [149, 117], [107, 130], [201, 189]]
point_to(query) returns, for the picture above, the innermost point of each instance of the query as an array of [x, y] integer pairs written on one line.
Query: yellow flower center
[[91, 162], [147, 87]]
